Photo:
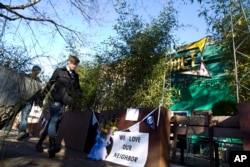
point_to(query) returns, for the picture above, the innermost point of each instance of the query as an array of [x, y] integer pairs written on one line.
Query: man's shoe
[[39, 148], [51, 152], [57, 149], [22, 136]]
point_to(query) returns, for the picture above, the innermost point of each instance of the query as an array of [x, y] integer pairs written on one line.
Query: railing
[[207, 126]]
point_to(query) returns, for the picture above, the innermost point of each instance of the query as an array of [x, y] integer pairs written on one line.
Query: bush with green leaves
[[224, 107]]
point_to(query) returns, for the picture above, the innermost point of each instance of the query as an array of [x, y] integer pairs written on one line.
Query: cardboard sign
[[129, 149]]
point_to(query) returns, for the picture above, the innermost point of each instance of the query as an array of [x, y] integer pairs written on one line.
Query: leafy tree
[[228, 21], [133, 63], [224, 107], [89, 75]]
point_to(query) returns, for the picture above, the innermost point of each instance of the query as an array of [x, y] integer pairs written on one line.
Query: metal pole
[[234, 52]]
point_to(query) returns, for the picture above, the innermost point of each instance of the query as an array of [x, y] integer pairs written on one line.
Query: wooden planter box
[[73, 130], [77, 132]]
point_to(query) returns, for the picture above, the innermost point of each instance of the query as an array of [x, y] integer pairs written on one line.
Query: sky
[[98, 32], [188, 15]]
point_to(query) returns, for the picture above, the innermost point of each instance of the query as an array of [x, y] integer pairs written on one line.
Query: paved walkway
[[15, 153], [23, 154]]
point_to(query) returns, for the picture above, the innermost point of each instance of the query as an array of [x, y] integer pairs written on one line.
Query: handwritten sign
[[129, 149]]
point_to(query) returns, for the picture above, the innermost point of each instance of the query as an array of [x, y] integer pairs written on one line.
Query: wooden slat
[[227, 132], [226, 121], [192, 130], [201, 112], [203, 124], [194, 120], [198, 121], [181, 119]]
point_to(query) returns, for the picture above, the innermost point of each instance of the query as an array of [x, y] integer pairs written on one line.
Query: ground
[[23, 154]]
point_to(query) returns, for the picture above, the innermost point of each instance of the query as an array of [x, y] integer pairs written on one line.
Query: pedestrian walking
[[64, 81], [26, 108]]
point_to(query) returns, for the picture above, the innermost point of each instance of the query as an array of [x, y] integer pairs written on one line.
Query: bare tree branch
[[9, 7], [34, 11]]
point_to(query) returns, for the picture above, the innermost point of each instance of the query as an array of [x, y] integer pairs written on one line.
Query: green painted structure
[[199, 92]]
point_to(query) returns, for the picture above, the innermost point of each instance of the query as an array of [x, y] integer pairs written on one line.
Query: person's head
[[73, 62], [36, 70]]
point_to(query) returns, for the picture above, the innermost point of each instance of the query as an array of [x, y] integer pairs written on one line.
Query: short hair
[[36, 67], [73, 60]]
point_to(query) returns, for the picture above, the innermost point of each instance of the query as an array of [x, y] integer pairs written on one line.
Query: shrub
[[224, 107]]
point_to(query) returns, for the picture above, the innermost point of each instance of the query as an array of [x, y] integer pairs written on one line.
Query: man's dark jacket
[[64, 83]]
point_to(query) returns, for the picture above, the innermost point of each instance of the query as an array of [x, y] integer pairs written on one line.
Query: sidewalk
[[15, 153], [23, 154]]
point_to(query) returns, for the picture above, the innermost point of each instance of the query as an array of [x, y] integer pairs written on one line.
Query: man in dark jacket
[[64, 81]]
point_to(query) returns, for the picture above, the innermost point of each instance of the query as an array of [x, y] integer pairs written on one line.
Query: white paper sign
[[135, 127], [132, 114], [129, 149]]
